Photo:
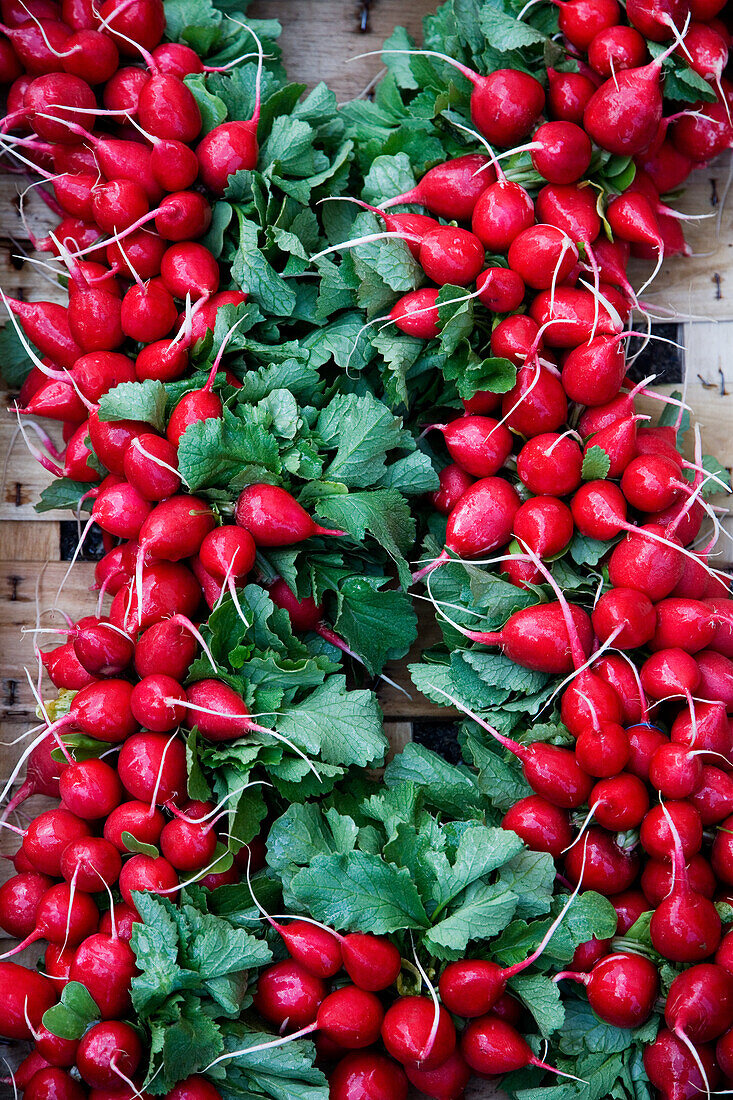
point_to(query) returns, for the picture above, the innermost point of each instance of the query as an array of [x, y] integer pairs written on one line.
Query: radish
[[676, 1070], [479, 444], [274, 518], [350, 1017], [167, 109], [454, 482], [369, 1075], [57, 964], [38, 48], [410, 1034], [41, 777], [20, 897], [56, 1051], [101, 710], [544, 524], [621, 989], [657, 879], [540, 638], [619, 802], [687, 624], [447, 1082], [143, 821], [152, 767], [572, 316], [111, 439], [48, 835], [626, 615], [491, 1047], [108, 1053], [53, 1083], [517, 338], [603, 751], [481, 521], [162, 360], [699, 1004], [503, 211], [148, 312], [140, 257], [47, 325], [615, 49], [189, 841], [657, 19], [536, 404], [106, 966], [451, 255], [26, 995], [91, 862], [670, 826], [703, 727], [542, 255], [562, 151], [599, 864], [592, 373], [568, 94], [450, 190], [416, 313], [90, 789], [156, 702], [550, 464], [168, 589], [194, 1088], [147, 874], [64, 916], [64, 669], [622, 677], [288, 995], [167, 642], [713, 798], [150, 465], [502, 291], [542, 826], [124, 919], [372, 962], [589, 699], [675, 771]]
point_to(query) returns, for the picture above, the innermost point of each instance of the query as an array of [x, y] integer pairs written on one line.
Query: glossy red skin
[[288, 993], [724, 1052], [372, 962], [136, 818], [161, 360], [90, 862], [53, 1083], [149, 874], [603, 751], [118, 203], [111, 1039], [721, 855], [120, 511], [188, 847], [724, 954], [501, 290], [64, 917], [688, 624], [670, 1066], [143, 251], [491, 1046], [169, 588], [700, 1002], [551, 465], [651, 482], [565, 152], [30, 1065], [95, 320], [514, 337], [613, 118], [167, 640], [506, 105], [570, 317], [545, 524], [621, 802], [151, 703], [622, 989], [543, 409], [542, 826], [451, 189], [367, 1076], [232, 722], [713, 800], [568, 94], [351, 1017], [101, 650], [710, 731], [106, 966], [176, 527], [629, 906], [90, 789], [141, 760], [406, 1030], [110, 440], [624, 606], [97, 372], [656, 879], [649, 18], [554, 773], [56, 400], [599, 509], [669, 672], [416, 313], [194, 1088], [471, 987], [167, 109], [587, 700], [57, 964], [150, 479], [479, 444], [228, 148], [102, 710], [483, 518], [148, 313], [503, 210], [453, 484], [570, 208], [593, 372], [48, 834], [615, 49], [537, 637], [608, 869], [193, 407], [656, 836], [587, 954], [183, 216], [316, 949], [272, 516], [450, 254], [703, 137], [674, 772], [447, 1082], [20, 897]]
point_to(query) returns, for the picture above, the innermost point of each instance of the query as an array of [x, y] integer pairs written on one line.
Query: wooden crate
[[318, 39]]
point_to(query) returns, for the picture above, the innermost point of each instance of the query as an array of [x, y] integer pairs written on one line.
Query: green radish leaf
[[76, 1010], [596, 464], [505, 32], [144, 401], [139, 846], [64, 493]]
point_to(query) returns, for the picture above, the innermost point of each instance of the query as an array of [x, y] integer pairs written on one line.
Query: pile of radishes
[[97, 106]]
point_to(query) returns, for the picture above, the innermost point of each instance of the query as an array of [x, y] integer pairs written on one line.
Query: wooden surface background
[[318, 38]]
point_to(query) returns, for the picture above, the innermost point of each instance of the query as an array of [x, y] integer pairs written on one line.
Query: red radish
[[410, 1035], [621, 989], [156, 702], [687, 624], [571, 316], [48, 835], [143, 822], [542, 255], [150, 465], [451, 255], [587, 954], [416, 313], [447, 1082], [481, 521], [593, 372], [629, 906], [452, 189], [603, 751], [90, 789], [618, 674], [503, 210], [124, 919], [699, 1004], [479, 444], [148, 312], [491, 1047], [57, 964], [536, 404], [37, 48], [162, 360], [194, 1088], [106, 966], [675, 771], [550, 464], [619, 802], [27, 1068], [587, 700], [176, 527], [713, 798], [46, 325], [20, 897], [53, 1083], [189, 841], [685, 926], [41, 776], [658, 875], [704, 726], [722, 852], [168, 588], [626, 615], [616, 48], [502, 291], [111, 439], [152, 767], [517, 338], [454, 482], [166, 642], [568, 94], [572, 209], [561, 151], [368, 1075], [542, 826], [64, 916], [541, 638], [107, 1050], [675, 1070], [599, 864], [24, 997], [544, 524], [147, 874], [288, 995], [167, 109], [101, 710], [656, 20], [91, 862], [64, 669], [118, 203], [141, 255], [102, 650], [120, 510], [658, 835], [350, 1017], [274, 518], [372, 962]]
